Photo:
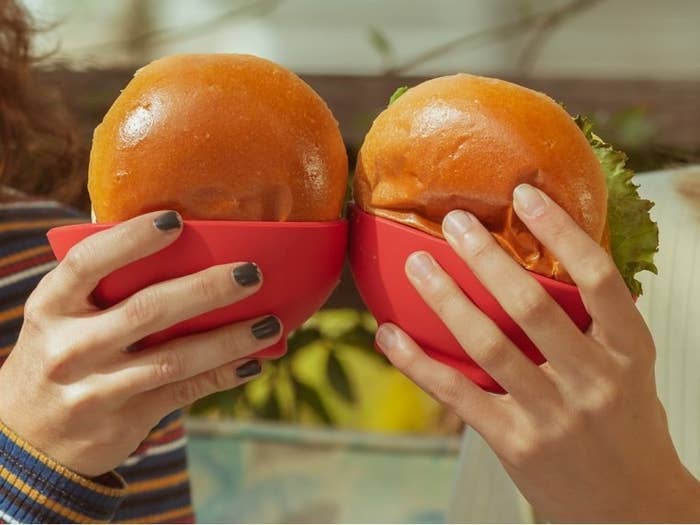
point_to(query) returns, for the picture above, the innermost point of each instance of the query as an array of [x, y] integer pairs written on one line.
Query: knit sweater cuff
[[36, 489]]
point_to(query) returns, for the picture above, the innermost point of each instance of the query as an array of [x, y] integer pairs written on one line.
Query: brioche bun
[[219, 137], [465, 142]]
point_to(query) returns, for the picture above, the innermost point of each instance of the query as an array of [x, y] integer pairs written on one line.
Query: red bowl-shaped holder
[[301, 264], [378, 252]]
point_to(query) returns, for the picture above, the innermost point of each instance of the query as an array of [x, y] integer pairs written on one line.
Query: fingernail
[[266, 327], [386, 337], [420, 266], [457, 223], [529, 200], [170, 220], [251, 368], [246, 274]]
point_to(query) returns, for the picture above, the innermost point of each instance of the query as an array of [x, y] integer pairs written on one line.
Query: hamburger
[[218, 137], [465, 142]]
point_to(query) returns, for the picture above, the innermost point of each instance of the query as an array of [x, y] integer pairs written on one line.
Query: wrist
[[688, 501], [679, 502]]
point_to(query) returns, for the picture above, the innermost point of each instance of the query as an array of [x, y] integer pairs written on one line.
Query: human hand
[[70, 387], [584, 436]]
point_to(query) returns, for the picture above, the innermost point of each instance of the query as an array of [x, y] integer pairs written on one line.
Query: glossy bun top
[[220, 137]]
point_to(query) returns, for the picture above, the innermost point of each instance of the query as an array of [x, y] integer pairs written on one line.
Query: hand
[[71, 388], [584, 436]]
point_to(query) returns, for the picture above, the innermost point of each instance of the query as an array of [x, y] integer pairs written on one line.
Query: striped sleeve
[[157, 477], [25, 257], [36, 489]]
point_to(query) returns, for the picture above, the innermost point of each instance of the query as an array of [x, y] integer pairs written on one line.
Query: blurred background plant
[[332, 375], [285, 390]]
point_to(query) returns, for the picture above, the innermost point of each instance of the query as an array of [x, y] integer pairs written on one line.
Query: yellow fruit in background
[[394, 404], [386, 401]]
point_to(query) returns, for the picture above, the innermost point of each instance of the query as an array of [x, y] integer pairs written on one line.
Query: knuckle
[[490, 349], [645, 356], [34, 313], [605, 398], [143, 309], [640, 364], [649, 353], [406, 361], [559, 230], [445, 299], [565, 425], [128, 236], [77, 261], [186, 392], [643, 349], [124, 235], [531, 303], [206, 287], [168, 367], [214, 381], [449, 391], [525, 451], [43, 296], [236, 342], [483, 247], [39, 299], [47, 280], [57, 363], [603, 274], [80, 400]]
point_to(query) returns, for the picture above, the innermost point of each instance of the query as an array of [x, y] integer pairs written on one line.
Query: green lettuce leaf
[[634, 237], [399, 91]]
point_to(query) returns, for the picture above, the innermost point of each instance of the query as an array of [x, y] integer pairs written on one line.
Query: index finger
[[487, 413], [602, 288], [74, 279]]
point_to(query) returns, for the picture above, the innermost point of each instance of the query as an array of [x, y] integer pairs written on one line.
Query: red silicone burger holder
[[301, 264], [378, 251]]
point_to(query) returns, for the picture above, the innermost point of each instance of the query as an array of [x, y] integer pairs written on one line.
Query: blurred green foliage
[[382, 46], [282, 392], [634, 131]]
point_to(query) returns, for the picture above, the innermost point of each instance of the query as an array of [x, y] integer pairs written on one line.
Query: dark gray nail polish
[[251, 368], [266, 327], [170, 220], [246, 274]]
